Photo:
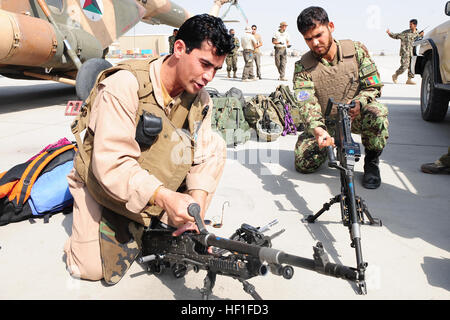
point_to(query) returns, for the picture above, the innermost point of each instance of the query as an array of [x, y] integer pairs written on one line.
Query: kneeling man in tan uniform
[[148, 151]]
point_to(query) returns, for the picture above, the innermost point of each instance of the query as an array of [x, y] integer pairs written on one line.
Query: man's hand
[[323, 138], [388, 32], [185, 227], [354, 112], [175, 204]]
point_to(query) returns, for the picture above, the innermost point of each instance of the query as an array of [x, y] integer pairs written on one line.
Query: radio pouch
[[148, 129]]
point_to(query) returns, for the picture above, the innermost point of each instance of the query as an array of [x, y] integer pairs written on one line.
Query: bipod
[[361, 210], [210, 281], [208, 285]]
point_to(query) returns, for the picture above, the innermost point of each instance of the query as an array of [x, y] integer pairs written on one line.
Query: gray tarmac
[[408, 256]]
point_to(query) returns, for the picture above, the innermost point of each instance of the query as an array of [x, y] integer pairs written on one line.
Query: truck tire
[[433, 102], [87, 75]]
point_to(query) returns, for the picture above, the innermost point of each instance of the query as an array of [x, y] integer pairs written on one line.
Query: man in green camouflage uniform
[[342, 70], [172, 39], [407, 38], [231, 58]]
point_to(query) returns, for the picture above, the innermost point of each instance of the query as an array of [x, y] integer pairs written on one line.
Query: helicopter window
[[55, 5]]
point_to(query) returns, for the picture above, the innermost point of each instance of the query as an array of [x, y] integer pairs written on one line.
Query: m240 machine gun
[[353, 208], [246, 255]]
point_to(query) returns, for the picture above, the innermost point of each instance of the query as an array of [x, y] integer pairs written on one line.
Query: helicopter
[[67, 40]]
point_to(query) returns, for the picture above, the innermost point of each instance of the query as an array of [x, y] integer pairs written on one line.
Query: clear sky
[[364, 20]]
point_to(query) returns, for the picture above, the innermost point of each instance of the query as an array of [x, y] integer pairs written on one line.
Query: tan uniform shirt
[[114, 162], [248, 41], [258, 41], [281, 37]]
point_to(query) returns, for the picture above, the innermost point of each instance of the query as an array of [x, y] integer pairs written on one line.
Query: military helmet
[[268, 130]]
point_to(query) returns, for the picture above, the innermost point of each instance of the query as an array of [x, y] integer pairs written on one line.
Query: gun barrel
[[330, 269], [271, 255]]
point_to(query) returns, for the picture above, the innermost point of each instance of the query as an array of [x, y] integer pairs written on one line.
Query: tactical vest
[[340, 82], [169, 158]]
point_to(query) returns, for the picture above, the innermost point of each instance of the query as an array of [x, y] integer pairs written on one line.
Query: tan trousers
[[82, 249], [280, 60], [248, 68]]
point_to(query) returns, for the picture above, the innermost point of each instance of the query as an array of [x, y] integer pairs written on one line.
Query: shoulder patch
[[368, 69], [303, 95], [372, 81]]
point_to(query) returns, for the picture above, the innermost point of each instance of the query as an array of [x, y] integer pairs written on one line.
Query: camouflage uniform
[[231, 58], [171, 42], [372, 122], [407, 38], [442, 165]]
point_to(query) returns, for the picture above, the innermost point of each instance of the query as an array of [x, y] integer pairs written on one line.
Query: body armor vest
[[169, 158], [340, 82]]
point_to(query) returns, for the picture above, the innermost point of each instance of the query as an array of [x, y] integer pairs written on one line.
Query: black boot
[[371, 178]]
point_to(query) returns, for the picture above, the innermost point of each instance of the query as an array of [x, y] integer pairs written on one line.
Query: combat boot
[[435, 168], [229, 74], [409, 81], [234, 75], [371, 178], [394, 78]]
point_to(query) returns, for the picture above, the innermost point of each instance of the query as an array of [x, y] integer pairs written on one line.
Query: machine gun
[[246, 255], [353, 208]]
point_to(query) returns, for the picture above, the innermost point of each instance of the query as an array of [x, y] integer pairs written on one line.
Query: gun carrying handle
[[194, 211]]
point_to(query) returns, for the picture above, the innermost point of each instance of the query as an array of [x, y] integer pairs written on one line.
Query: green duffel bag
[[229, 121]]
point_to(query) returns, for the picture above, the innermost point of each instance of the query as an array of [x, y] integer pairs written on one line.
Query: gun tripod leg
[[208, 285], [326, 207], [365, 211], [250, 289], [362, 287]]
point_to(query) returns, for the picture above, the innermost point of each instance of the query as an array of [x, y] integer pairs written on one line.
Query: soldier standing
[[231, 59], [248, 42], [257, 53], [281, 41], [407, 38], [172, 40], [342, 70]]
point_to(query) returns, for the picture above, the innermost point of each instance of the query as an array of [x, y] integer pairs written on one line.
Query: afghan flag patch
[[371, 81]]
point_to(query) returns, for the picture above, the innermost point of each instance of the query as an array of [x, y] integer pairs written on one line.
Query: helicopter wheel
[[87, 75]]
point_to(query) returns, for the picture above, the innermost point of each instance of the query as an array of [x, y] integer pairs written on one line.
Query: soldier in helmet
[[231, 59], [125, 177], [342, 70], [407, 38]]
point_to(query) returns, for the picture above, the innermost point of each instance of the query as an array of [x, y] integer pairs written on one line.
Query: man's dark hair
[[414, 21], [203, 27], [254, 26], [310, 18]]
